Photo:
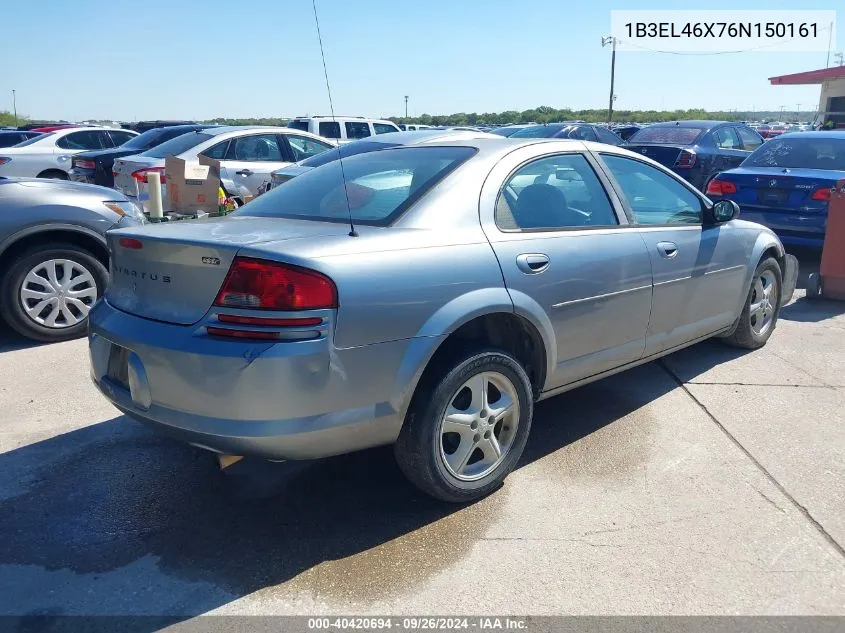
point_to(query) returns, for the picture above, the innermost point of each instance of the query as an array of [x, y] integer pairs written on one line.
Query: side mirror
[[724, 211]]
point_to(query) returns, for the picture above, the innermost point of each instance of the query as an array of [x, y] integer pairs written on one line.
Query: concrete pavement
[[708, 483]]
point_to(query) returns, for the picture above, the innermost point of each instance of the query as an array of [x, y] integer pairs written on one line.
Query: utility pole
[[839, 57], [829, 42], [406, 106], [15, 107], [604, 42]]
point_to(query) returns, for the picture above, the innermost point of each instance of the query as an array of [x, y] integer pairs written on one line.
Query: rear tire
[[78, 281], [54, 174], [465, 455], [814, 286], [762, 306]]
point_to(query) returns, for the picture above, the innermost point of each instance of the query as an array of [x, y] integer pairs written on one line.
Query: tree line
[[543, 114]]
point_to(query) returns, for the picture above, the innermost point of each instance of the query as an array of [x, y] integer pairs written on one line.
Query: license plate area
[[118, 366], [772, 196]]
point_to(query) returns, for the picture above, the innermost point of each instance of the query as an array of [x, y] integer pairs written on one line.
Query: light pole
[[15, 107], [604, 42], [406, 106]]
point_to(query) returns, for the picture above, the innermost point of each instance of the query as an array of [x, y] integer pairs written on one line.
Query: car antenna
[[352, 231]]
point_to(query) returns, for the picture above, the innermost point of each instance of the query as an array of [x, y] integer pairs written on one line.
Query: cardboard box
[[192, 186]]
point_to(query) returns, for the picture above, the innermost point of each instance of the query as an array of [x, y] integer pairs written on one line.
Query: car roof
[[829, 134], [697, 123], [227, 129]]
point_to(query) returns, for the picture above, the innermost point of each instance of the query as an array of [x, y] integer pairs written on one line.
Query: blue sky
[[256, 58]]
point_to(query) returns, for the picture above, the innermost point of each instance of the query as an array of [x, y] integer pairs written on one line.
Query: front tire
[[466, 431], [814, 286], [762, 307], [47, 293]]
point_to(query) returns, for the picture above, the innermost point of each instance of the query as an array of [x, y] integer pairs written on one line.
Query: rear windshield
[[669, 135], [538, 131], [810, 153], [351, 149], [176, 146], [299, 125], [379, 186]]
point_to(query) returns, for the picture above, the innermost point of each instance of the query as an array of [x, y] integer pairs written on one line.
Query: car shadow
[[119, 508], [11, 341]]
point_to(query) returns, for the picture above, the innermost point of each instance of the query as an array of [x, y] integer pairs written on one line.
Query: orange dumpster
[[830, 281]]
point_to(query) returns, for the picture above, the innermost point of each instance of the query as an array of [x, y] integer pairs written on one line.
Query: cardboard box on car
[[192, 186]]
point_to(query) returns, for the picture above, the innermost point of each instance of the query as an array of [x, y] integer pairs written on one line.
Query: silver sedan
[[425, 297], [53, 255]]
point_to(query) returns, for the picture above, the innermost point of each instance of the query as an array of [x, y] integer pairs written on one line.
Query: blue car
[[786, 184], [696, 150]]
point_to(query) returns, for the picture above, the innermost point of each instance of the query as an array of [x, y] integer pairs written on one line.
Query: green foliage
[[7, 119], [547, 114]]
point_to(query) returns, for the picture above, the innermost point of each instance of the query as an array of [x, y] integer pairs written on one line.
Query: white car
[[49, 155], [247, 155], [343, 129]]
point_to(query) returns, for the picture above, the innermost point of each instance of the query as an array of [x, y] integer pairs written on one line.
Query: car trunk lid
[[123, 169], [779, 189], [173, 272]]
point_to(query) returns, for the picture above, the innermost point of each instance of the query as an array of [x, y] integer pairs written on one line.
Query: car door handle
[[667, 249], [532, 263], [244, 172]]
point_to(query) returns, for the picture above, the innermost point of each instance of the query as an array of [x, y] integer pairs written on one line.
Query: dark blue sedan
[[696, 150], [786, 184]]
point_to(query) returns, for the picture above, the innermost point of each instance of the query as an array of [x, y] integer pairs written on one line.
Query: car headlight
[[125, 207]]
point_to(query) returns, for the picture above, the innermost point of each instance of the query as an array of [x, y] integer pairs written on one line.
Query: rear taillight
[[141, 174], [718, 187], [4, 160], [83, 163], [685, 159], [264, 285], [130, 242], [822, 194]]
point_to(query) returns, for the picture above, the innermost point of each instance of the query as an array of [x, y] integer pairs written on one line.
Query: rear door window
[[554, 192], [85, 139], [218, 151], [358, 129], [330, 129], [750, 139], [120, 137], [384, 128], [726, 138], [256, 148], [304, 147]]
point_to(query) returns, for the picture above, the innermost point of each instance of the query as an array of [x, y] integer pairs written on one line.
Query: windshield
[[35, 139], [351, 149], [178, 145], [298, 125], [794, 153], [669, 135], [379, 186], [538, 131]]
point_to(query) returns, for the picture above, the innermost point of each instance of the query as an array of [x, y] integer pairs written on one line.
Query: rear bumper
[[291, 400], [82, 175]]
